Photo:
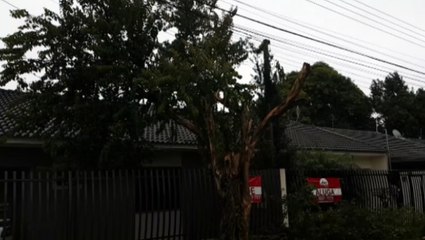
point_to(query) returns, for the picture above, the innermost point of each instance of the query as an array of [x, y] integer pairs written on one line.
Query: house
[[173, 145], [369, 149], [21, 150], [176, 146]]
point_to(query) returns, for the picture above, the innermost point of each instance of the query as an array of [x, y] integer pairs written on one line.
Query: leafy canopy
[[333, 100], [198, 77], [397, 105], [94, 61]]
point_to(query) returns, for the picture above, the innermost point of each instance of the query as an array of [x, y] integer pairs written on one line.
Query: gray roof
[[168, 133], [318, 138], [7, 98], [334, 139], [300, 135]]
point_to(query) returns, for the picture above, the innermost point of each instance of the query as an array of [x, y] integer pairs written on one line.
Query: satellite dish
[[396, 133]]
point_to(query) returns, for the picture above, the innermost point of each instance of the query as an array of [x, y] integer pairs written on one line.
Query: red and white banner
[[255, 189], [326, 190]]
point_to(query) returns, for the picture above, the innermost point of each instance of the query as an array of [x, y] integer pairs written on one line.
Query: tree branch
[[284, 105], [188, 124]]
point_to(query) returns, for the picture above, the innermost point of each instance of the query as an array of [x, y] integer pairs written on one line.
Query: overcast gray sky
[[395, 42]]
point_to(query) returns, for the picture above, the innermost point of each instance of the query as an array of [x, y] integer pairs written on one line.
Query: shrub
[[349, 222]]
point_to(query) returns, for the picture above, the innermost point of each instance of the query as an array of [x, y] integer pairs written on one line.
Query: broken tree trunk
[[231, 172]]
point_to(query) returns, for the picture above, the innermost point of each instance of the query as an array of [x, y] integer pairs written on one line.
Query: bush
[[348, 222]]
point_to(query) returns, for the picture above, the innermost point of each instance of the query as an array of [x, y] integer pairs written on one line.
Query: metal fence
[[165, 203], [371, 189]]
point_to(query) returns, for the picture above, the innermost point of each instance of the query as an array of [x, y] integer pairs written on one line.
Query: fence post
[[283, 190]]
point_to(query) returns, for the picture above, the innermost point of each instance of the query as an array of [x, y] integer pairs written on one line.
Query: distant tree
[[395, 104], [269, 78], [419, 106], [94, 62], [198, 88], [333, 100]]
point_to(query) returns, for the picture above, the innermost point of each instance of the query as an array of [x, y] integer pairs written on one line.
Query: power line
[[317, 51], [373, 20], [380, 17], [10, 4], [341, 66], [300, 46], [53, 1], [322, 42], [365, 23], [326, 33], [389, 15], [363, 83]]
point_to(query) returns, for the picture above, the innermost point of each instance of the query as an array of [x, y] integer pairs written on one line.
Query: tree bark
[[233, 178], [231, 174], [236, 197]]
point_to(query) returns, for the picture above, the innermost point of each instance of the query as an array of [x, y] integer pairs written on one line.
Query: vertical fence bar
[[5, 204], [78, 207], [121, 190], [126, 230], [55, 204], [39, 211], [14, 206], [411, 193], [152, 210], [169, 205], [177, 200], [158, 202], [94, 220], [64, 208], [368, 180], [70, 223], [163, 199], [422, 188], [139, 204], [101, 227], [133, 205], [108, 208], [85, 208], [204, 181], [48, 201], [116, 200], [31, 203], [147, 202], [23, 204]]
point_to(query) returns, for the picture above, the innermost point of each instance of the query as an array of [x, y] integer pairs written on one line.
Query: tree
[[199, 89], [394, 102], [94, 62], [333, 100], [273, 148], [419, 105]]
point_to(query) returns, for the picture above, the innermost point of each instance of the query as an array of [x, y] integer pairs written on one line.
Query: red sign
[[255, 189], [326, 190]]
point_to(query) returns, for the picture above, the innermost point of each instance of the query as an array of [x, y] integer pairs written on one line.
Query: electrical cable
[[365, 23], [373, 20], [322, 42], [299, 46]]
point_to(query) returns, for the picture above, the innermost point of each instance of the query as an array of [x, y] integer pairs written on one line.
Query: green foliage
[[273, 149], [332, 100], [310, 160], [349, 222], [198, 67], [399, 108], [94, 64]]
